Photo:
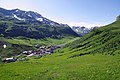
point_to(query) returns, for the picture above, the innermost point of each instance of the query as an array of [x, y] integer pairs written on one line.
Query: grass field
[[45, 41], [59, 66]]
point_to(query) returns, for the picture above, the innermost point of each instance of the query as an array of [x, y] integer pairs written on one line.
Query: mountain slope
[[14, 23], [104, 40]]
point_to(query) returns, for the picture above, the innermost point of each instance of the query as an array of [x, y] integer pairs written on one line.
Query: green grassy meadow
[[44, 41], [59, 66]]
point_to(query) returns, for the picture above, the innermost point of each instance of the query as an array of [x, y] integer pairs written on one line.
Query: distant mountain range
[[82, 30], [16, 22]]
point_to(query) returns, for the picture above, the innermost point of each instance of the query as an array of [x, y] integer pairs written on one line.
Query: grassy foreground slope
[[65, 63], [58, 67]]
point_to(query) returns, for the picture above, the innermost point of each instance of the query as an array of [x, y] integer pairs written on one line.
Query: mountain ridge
[[30, 24]]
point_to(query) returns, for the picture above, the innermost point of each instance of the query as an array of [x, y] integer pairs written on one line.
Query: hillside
[[15, 23], [103, 40]]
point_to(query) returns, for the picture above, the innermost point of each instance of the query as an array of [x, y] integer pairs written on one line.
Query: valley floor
[[59, 67]]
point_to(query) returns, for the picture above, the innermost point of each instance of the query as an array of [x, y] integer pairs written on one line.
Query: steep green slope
[[104, 40]]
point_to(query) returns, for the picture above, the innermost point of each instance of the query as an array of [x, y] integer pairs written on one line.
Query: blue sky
[[73, 12]]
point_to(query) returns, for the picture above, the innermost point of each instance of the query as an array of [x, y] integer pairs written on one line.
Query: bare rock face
[[118, 17]]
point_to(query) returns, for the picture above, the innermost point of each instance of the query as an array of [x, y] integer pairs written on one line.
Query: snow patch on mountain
[[39, 19], [18, 18], [81, 30], [17, 10], [29, 15]]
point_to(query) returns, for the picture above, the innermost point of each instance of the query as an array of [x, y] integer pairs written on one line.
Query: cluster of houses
[[42, 50]]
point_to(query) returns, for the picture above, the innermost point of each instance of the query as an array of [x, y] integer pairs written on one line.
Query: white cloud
[[88, 25]]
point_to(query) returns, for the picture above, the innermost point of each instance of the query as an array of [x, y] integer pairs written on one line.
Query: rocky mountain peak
[[28, 16]]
